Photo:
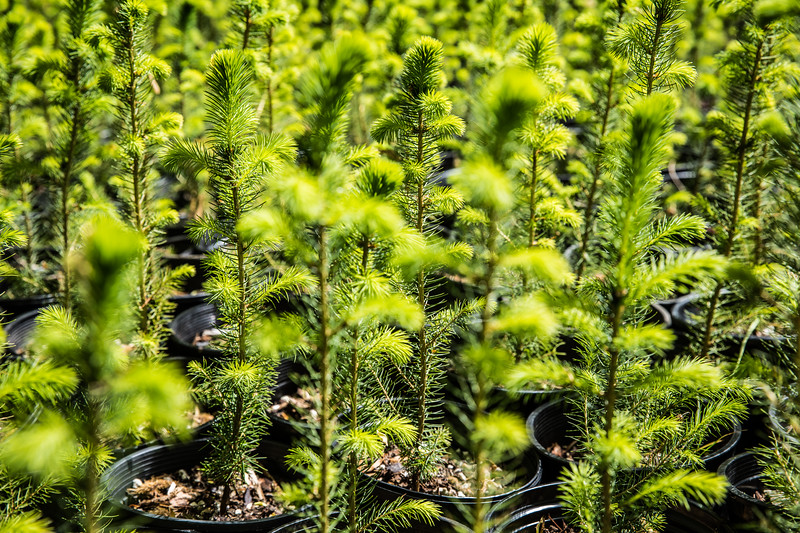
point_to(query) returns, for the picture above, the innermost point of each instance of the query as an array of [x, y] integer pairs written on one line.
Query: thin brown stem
[[588, 216], [532, 200], [653, 54], [421, 299], [325, 383], [92, 479], [479, 509], [247, 27], [741, 161], [610, 404], [270, 104]]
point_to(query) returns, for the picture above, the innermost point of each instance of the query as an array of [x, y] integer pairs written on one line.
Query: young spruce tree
[[644, 425], [336, 222], [115, 396], [545, 137], [488, 186], [76, 92], [238, 161], [418, 123], [752, 72], [647, 44], [132, 78]]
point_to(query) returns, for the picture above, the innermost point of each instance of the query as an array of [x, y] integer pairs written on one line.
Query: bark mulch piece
[[298, 406], [555, 526], [188, 495], [454, 476], [567, 452]]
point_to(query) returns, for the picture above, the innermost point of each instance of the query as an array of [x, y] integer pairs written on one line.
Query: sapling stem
[[741, 160], [241, 341], [325, 385], [136, 171], [270, 104], [421, 298], [610, 403], [654, 51], [352, 507], [364, 254], [241, 281], [92, 479], [532, 201], [796, 324], [247, 25], [588, 217], [478, 511], [66, 176]]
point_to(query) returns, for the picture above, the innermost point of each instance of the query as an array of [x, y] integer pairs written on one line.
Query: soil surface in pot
[[298, 406], [198, 417], [453, 477], [189, 496], [548, 525], [571, 450], [209, 338]]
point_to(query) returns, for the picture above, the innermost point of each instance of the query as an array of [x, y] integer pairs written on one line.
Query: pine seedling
[[420, 121], [255, 23], [647, 43], [132, 79], [237, 159], [545, 137], [752, 71], [607, 85], [76, 92], [362, 294], [336, 223], [631, 279], [21, 36], [23, 386], [487, 185], [634, 413], [115, 396]]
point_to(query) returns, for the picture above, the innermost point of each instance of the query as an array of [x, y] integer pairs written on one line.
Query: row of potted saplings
[[530, 492]]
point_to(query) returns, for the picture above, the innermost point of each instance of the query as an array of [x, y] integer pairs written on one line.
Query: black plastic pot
[[779, 424], [196, 319], [286, 383], [685, 323], [19, 333], [161, 459], [526, 400], [442, 525], [540, 506], [756, 427], [14, 307], [528, 474], [193, 258], [745, 475], [185, 326], [185, 301], [549, 424]]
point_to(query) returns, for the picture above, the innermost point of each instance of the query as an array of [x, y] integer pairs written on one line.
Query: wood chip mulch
[[188, 495], [567, 452], [454, 476]]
